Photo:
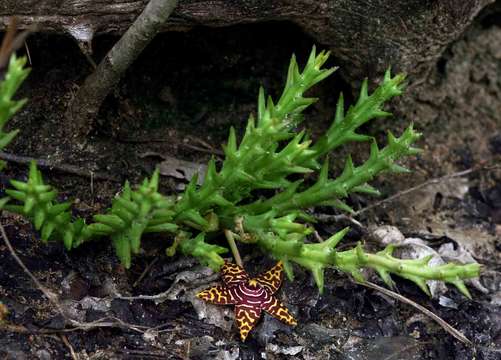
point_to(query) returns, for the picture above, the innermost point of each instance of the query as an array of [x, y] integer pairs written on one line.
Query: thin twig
[[20, 329], [318, 237], [205, 144], [106, 322], [233, 247], [145, 354], [211, 151], [444, 324], [28, 54], [143, 274], [426, 183], [336, 218], [109, 322], [160, 297], [205, 149], [72, 169], [67, 343], [12, 41], [50, 295], [92, 186]]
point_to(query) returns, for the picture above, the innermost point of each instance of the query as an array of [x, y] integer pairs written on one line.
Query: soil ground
[[179, 100]]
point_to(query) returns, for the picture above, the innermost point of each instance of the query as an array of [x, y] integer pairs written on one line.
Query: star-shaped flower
[[250, 296]]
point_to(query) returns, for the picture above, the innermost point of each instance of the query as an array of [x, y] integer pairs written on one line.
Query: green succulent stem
[[233, 246], [415, 270], [14, 77], [320, 256], [253, 164], [51, 219], [273, 154], [368, 107], [207, 254], [327, 191]]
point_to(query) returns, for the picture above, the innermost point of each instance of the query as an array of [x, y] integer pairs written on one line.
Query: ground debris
[[442, 215], [177, 168], [383, 348], [284, 350], [232, 354]]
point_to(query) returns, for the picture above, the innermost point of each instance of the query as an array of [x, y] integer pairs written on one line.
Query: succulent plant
[[272, 154], [14, 77]]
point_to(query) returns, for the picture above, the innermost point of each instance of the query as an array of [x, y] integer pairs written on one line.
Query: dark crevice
[[490, 16]]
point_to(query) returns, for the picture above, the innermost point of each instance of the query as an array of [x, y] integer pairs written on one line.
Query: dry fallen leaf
[[177, 168]]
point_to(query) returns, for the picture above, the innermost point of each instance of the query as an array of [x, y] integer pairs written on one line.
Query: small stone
[[284, 350], [322, 335], [43, 355], [387, 234]]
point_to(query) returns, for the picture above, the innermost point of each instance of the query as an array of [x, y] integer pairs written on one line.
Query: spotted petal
[[276, 309], [246, 318], [233, 274], [271, 280], [217, 295], [250, 296]]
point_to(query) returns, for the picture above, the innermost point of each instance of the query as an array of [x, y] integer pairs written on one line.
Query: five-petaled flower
[[250, 296]]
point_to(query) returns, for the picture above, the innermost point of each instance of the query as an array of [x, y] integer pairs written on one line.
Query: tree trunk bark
[[367, 35], [85, 106]]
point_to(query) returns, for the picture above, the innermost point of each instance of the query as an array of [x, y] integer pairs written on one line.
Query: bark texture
[[366, 34], [96, 87]]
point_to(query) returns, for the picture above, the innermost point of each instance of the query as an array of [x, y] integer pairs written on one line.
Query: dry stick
[[233, 247], [205, 149], [444, 324], [336, 218], [96, 87], [51, 296], [210, 151], [67, 343], [21, 329], [12, 41], [145, 271], [28, 53], [206, 145], [60, 167], [86, 326], [160, 297], [426, 183]]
